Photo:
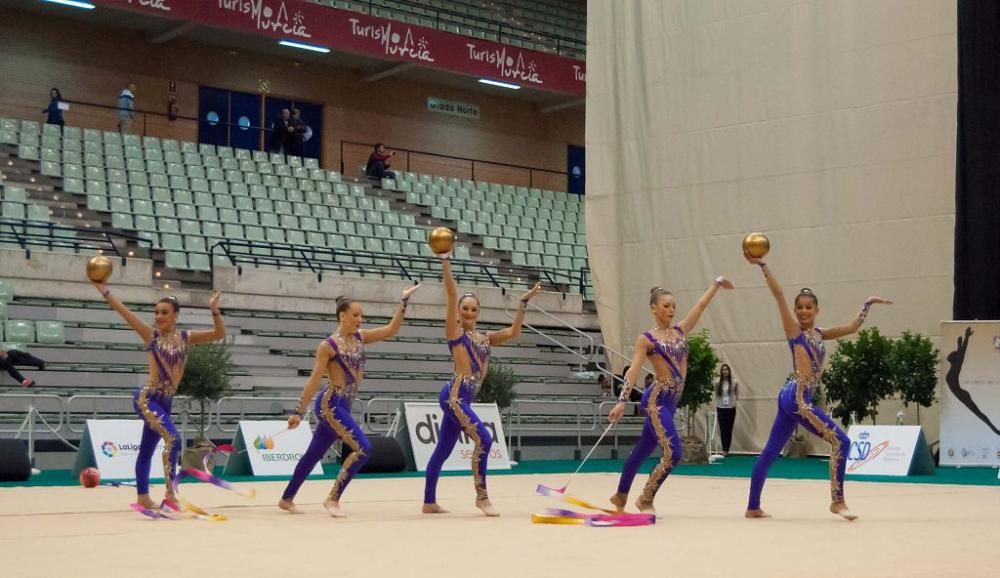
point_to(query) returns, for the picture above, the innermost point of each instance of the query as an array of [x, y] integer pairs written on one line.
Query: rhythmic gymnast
[[795, 405], [167, 350], [666, 347], [342, 357], [470, 350]]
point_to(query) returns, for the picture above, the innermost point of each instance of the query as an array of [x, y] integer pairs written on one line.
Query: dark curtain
[[977, 170]]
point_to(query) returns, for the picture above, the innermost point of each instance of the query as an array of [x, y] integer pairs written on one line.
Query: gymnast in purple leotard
[[795, 405], [666, 347], [470, 350], [342, 357], [167, 351]]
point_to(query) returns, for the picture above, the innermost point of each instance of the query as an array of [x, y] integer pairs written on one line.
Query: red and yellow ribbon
[[605, 519]]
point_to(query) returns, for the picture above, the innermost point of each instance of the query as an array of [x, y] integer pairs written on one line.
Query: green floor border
[[731, 467]]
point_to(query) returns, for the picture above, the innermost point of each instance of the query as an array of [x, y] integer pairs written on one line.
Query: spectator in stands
[[55, 114], [280, 129], [634, 395], [126, 108], [378, 163], [604, 380], [297, 136], [9, 359]]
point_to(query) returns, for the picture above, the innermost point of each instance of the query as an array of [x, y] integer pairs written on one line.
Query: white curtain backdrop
[[828, 125]]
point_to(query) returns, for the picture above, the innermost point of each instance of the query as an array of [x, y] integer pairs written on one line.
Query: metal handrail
[[579, 429], [31, 397], [408, 152], [580, 334], [27, 233], [321, 259], [182, 400], [242, 401]]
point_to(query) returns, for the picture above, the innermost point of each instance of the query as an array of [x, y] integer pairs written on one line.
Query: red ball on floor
[[90, 477]]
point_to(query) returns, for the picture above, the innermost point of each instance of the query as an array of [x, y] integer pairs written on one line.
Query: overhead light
[[304, 46], [73, 3], [500, 84]]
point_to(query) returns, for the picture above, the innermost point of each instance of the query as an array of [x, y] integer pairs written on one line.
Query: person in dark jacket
[[297, 136], [55, 114], [9, 359], [281, 128], [378, 163]]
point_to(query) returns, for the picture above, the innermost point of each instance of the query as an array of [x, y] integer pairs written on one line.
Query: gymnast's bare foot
[[433, 509], [644, 506], [288, 506], [619, 501], [758, 513], [145, 501], [840, 508], [333, 508], [487, 507]]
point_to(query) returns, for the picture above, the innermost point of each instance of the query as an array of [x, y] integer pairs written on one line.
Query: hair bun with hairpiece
[[655, 289]]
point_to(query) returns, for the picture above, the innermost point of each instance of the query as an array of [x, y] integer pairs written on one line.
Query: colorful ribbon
[[172, 511], [606, 519], [554, 493], [571, 518]]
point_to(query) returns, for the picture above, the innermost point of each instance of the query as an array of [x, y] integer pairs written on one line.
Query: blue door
[[213, 116], [245, 123], [576, 166]]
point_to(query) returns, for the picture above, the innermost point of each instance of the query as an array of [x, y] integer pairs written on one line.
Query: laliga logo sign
[[392, 42], [862, 452], [111, 449], [267, 18], [507, 65]]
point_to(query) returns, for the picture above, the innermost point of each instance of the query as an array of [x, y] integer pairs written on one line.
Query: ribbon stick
[[562, 490]]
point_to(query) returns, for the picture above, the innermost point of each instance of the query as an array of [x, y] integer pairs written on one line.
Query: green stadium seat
[[50, 332], [19, 331]]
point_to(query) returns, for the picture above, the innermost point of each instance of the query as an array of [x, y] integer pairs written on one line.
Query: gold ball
[[99, 269], [756, 245], [441, 240]]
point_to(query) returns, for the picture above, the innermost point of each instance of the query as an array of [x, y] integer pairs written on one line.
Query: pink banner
[[379, 37]]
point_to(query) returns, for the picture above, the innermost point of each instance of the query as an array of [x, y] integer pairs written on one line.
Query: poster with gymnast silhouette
[[970, 393]]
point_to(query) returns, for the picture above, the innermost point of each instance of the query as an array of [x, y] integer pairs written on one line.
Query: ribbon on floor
[[571, 518], [604, 519]]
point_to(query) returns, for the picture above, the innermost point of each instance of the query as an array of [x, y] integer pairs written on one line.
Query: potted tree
[[498, 386], [860, 376], [914, 363], [699, 384], [206, 380]]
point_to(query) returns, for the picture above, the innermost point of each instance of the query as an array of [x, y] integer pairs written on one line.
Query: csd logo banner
[[423, 424], [888, 450], [111, 446], [268, 448]]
